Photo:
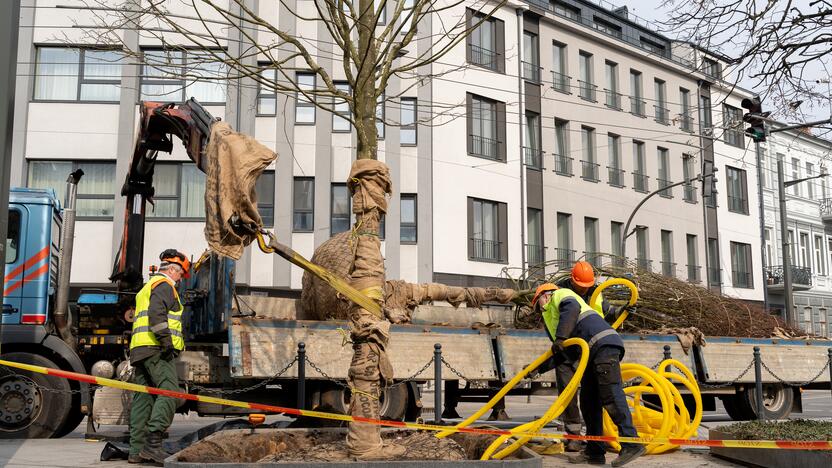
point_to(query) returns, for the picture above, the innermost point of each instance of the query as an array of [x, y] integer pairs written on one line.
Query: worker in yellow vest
[[154, 345], [565, 316]]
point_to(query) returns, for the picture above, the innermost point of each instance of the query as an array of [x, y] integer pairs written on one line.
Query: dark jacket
[[610, 311], [162, 299]]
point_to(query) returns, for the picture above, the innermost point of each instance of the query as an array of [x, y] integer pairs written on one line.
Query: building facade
[[563, 118]]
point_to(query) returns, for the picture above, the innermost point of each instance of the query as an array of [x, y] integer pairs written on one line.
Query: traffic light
[[756, 119]]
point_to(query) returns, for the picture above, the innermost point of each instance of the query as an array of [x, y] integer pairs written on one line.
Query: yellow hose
[[614, 282]]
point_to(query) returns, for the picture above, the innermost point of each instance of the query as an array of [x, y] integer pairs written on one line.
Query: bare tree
[[783, 47], [371, 41]]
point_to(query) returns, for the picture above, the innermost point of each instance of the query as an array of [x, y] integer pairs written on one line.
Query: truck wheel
[[72, 421], [777, 401], [32, 405], [393, 401], [733, 408]]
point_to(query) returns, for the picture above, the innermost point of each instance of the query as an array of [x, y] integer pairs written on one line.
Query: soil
[[322, 446], [797, 429]]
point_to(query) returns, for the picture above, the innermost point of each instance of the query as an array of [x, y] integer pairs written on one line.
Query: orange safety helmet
[[583, 275], [542, 289], [177, 257]]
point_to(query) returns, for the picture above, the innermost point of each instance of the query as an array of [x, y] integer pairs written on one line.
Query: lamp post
[[784, 241]]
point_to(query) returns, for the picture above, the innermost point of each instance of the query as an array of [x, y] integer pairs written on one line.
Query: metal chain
[[326, 376], [735, 381], [250, 388], [459, 374], [795, 384], [414, 375]]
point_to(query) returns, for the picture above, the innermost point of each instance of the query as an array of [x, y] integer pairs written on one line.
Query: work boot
[[573, 445], [628, 453], [135, 458], [388, 451], [153, 450], [583, 458]]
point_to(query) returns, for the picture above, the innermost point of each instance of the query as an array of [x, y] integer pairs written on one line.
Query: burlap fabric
[[401, 297], [234, 162]]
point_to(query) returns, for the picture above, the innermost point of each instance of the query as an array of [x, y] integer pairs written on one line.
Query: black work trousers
[[601, 390], [571, 416]]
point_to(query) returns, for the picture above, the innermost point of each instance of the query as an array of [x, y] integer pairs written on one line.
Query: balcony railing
[[589, 171], [483, 57], [686, 123], [563, 165], [561, 83], [587, 90], [486, 250], [531, 72], [714, 276], [826, 210], [564, 257], [533, 157], [690, 193], [669, 269], [484, 147], [644, 264], [616, 176], [662, 115], [638, 106], [801, 277], [640, 182], [613, 99], [694, 273], [737, 204], [535, 254], [667, 192], [742, 279]]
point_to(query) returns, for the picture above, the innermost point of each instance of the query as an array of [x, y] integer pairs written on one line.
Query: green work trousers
[[152, 413]]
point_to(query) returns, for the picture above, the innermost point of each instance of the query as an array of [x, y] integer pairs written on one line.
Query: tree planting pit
[[797, 430], [242, 448]]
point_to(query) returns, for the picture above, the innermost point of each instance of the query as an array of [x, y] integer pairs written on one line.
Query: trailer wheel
[[32, 405], [733, 408], [777, 401], [393, 401]]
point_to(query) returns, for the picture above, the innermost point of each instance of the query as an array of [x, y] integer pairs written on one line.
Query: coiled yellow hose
[[673, 421]]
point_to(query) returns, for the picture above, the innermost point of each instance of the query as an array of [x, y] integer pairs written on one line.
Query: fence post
[[829, 353], [437, 383], [758, 380], [667, 354], [301, 375]]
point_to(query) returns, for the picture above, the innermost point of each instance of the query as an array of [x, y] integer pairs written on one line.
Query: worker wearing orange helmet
[[566, 315], [582, 281]]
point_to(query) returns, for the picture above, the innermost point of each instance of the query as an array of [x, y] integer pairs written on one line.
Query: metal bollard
[[301, 375], [829, 353], [667, 352], [437, 383], [758, 380]]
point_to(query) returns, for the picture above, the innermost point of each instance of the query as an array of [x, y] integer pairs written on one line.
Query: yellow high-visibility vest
[[551, 311], [142, 333]]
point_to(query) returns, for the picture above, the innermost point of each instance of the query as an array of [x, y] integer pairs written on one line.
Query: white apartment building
[[566, 116]]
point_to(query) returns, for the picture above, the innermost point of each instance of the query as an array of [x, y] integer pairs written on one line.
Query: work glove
[[168, 351], [557, 347], [533, 374], [625, 308]]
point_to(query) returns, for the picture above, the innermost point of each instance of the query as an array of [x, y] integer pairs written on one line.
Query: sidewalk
[[678, 459]]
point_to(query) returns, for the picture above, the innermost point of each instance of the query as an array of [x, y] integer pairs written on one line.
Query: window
[[732, 123], [711, 67], [668, 267], [796, 175], [180, 192], [303, 198], [615, 242], [567, 10], [565, 255], [807, 320], [793, 248], [829, 251], [304, 107], [640, 167], [531, 57], [737, 190], [637, 102], [380, 116], [560, 74], [486, 44], [686, 121], [563, 163], [705, 115], [820, 264], [652, 45], [265, 197], [483, 139], [380, 7], [664, 172], [95, 194], [591, 239], [688, 169], [741, 265], [408, 231], [769, 253], [534, 228], [407, 132], [174, 75], [606, 27], [693, 258], [341, 110], [714, 271], [266, 96], [616, 174], [533, 155], [488, 230], [68, 74], [340, 209], [587, 88], [810, 187], [660, 94], [642, 249], [588, 164], [822, 329], [13, 236], [612, 94], [804, 250]]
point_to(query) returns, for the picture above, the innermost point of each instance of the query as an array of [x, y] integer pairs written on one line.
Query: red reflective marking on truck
[[33, 319], [34, 259], [39, 272]]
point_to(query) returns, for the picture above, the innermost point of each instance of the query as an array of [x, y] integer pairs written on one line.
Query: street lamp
[[787, 266]]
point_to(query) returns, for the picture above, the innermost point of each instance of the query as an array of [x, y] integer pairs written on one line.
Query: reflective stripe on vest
[[551, 311], [142, 332], [602, 334]]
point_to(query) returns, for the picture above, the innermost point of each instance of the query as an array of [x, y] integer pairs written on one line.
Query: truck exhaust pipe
[[65, 259]]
